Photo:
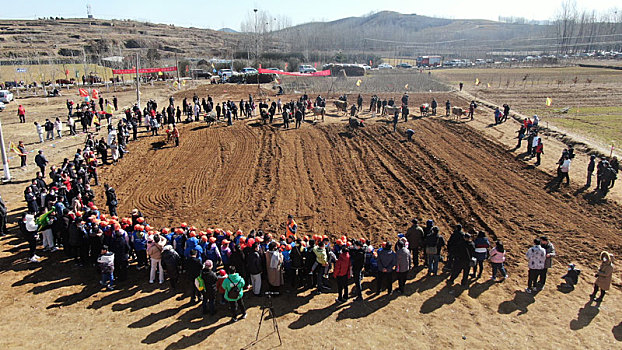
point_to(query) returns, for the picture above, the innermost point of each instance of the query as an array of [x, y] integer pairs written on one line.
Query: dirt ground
[[369, 183]]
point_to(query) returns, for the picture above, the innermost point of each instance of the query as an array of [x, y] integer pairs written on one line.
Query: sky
[[219, 14]]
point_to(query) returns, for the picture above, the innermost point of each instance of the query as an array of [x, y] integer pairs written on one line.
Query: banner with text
[[144, 70]]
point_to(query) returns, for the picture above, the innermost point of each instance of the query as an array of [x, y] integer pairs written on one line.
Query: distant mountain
[[227, 30], [392, 31]]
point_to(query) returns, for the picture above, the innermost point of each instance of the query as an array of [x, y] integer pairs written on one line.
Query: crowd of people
[[606, 167], [220, 266]]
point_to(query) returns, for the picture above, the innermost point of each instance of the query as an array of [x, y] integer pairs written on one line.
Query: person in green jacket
[[44, 223], [234, 290]]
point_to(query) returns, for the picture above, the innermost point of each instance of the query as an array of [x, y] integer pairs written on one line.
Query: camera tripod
[[267, 310]]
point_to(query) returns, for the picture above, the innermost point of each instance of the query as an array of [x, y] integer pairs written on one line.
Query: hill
[[410, 34], [228, 30], [68, 38]]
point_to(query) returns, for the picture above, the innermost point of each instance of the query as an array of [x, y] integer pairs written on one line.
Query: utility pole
[[177, 66], [137, 83], [256, 41], [5, 160]]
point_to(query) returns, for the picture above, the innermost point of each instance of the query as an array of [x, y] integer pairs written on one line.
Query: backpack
[[199, 283], [234, 292]]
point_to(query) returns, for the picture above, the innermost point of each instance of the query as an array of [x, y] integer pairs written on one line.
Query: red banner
[[144, 70], [323, 73]]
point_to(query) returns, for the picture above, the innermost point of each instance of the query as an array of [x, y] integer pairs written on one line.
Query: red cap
[[140, 220], [184, 225], [204, 238], [192, 234], [222, 273], [250, 241], [212, 239]]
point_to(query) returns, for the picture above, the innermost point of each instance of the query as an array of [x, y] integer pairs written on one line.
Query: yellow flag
[[175, 84], [549, 101], [183, 83], [358, 82], [14, 148], [488, 84], [476, 81], [160, 73], [406, 86]]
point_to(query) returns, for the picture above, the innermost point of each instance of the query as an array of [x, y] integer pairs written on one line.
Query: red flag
[[370, 63], [66, 71], [315, 64], [95, 94], [83, 92]]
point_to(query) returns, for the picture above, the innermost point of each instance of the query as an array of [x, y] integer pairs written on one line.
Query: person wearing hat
[[414, 235], [403, 261], [603, 276], [210, 290]]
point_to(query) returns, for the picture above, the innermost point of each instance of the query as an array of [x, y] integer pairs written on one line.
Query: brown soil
[[366, 184]]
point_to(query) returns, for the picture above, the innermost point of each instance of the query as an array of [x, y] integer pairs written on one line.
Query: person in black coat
[[237, 259], [254, 266], [170, 262], [310, 259], [209, 293], [456, 237], [194, 267], [464, 250], [297, 264], [120, 247], [357, 260], [111, 200]]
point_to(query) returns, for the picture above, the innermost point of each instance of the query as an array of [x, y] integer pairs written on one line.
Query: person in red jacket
[[539, 151], [21, 113], [341, 274]]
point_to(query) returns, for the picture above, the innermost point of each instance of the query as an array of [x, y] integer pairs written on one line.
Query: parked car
[[2, 106], [305, 68], [385, 66], [275, 69], [404, 65], [249, 70], [225, 73], [6, 96]]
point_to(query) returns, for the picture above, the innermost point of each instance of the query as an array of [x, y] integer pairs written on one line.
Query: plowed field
[[369, 183], [366, 184]]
